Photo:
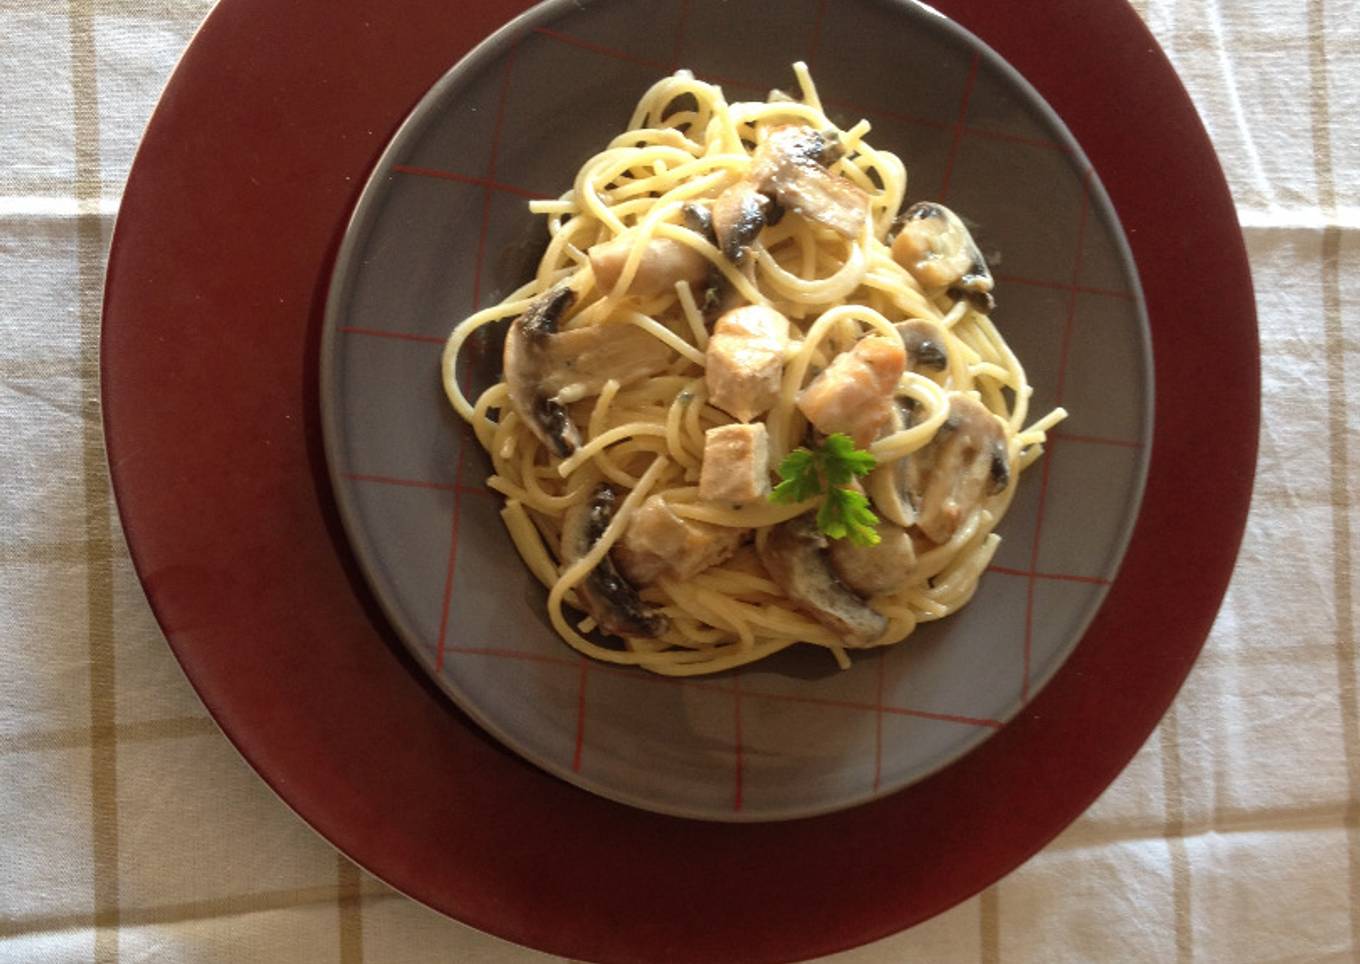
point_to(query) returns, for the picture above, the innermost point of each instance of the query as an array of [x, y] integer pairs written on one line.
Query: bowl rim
[[368, 210]]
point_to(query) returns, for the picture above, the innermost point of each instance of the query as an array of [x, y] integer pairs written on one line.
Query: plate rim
[[1188, 619]]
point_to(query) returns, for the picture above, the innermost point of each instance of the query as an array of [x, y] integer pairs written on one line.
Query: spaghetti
[[726, 284]]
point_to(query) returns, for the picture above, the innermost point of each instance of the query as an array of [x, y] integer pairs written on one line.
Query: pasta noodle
[[610, 450]]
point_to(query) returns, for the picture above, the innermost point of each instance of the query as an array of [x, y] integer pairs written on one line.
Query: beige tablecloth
[[130, 829]]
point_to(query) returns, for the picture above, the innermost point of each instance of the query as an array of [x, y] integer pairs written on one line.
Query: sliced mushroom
[[791, 167], [878, 569], [937, 249], [961, 466], [663, 263], [700, 220], [611, 599], [887, 485], [738, 215], [546, 369], [795, 555], [925, 343], [659, 542]]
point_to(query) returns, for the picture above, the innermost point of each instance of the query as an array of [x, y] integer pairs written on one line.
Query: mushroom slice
[[664, 262], [964, 463], [611, 599], [699, 219], [878, 569], [925, 343], [738, 215], [660, 543], [854, 393], [546, 369], [795, 556], [887, 485], [791, 166], [937, 249]]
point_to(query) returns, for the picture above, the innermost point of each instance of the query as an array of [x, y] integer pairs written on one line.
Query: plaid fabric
[[130, 829]]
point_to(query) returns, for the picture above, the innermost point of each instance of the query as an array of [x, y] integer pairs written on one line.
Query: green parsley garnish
[[844, 512]]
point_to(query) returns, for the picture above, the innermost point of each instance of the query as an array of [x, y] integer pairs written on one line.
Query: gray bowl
[[442, 228]]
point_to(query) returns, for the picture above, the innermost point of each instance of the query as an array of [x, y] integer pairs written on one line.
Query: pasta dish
[[748, 400]]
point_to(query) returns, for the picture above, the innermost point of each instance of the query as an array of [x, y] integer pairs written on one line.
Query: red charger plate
[[216, 288]]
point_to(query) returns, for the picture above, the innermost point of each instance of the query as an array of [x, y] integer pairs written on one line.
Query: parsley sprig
[[844, 512]]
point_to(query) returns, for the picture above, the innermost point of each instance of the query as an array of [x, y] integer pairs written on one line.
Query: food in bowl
[[748, 400]]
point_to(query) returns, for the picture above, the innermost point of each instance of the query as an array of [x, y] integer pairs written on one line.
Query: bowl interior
[[443, 228]]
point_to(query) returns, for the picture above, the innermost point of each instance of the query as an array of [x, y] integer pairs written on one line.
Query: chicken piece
[[878, 569], [736, 464], [745, 360], [660, 543], [663, 263], [958, 469], [546, 369], [854, 394]]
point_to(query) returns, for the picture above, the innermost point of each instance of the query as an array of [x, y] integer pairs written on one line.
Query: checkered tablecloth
[[131, 830]]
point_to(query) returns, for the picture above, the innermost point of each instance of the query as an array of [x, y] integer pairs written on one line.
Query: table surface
[[132, 830]]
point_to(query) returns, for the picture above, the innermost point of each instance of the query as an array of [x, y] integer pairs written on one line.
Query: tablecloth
[[131, 830]]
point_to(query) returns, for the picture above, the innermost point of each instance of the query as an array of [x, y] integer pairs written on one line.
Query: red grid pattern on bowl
[[581, 664]]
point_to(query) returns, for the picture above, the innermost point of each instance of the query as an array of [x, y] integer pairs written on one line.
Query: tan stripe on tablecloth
[[349, 900], [989, 924], [217, 907], [1246, 819], [1174, 833], [44, 368], [1338, 440], [148, 731], [99, 562]]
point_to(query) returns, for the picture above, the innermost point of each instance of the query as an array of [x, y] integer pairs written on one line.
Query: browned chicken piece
[[791, 167], [736, 465], [745, 360], [795, 555], [660, 543], [663, 263], [854, 394], [935, 246], [879, 569], [961, 466], [547, 369]]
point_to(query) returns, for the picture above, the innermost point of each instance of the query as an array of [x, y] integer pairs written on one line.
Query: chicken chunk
[[854, 394], [745, 360], [736, 464], [660, 543], [663, 263]]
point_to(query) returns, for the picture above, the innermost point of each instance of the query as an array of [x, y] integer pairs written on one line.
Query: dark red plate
[[216, 289]]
